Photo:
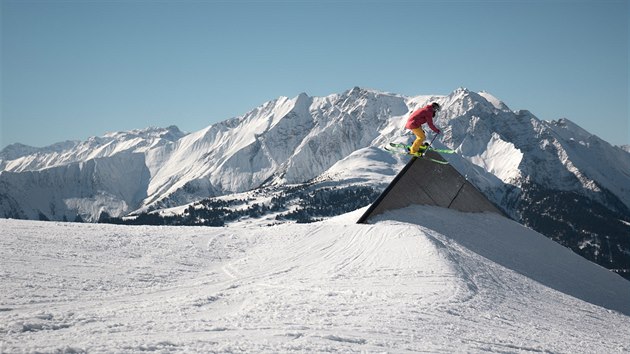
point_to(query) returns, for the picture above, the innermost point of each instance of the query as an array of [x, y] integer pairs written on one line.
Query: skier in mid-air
[[414, 123]]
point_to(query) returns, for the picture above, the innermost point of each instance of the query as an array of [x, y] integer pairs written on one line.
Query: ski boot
[[421, 150]]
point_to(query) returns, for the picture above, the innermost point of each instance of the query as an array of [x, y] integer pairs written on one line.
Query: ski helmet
[[436, 107]]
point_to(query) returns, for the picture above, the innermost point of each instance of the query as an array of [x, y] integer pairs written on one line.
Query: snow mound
[[370, 164], [326, 287], [524, 251]]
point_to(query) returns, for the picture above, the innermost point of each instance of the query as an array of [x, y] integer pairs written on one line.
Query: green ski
[[403, 150], [407, 147]]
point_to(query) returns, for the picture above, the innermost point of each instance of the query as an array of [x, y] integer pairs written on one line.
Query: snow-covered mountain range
[[551, 175]]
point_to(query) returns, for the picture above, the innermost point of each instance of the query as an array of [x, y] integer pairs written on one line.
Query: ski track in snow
[[327, 287]]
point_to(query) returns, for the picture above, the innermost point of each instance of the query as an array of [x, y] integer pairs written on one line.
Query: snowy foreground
[[463, 283]]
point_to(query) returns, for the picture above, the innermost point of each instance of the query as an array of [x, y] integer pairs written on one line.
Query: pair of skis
[[403, 149]]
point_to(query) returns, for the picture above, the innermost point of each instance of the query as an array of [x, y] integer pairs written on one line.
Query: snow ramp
[[521, 250], [424, 182], [327, 287]]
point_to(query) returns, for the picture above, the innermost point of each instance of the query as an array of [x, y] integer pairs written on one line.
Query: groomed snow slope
[[334, 286]]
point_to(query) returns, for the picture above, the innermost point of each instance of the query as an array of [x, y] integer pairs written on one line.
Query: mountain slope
[[283, 141], [19, 158], [324, 287], [80, 180], [558, 155]]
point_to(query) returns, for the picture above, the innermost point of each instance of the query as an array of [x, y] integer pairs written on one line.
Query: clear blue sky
[[73, 69]]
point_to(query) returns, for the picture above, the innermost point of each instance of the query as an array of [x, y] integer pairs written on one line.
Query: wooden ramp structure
[[424, 182]]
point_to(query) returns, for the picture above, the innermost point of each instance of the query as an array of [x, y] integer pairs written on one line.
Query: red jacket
[[421, 116]]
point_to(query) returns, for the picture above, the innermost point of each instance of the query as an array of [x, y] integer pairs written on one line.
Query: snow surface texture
[[463, 283]]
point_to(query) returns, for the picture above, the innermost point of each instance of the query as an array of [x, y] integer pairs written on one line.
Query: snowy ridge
[[334, 286], [18, 157], [558, 155], [497, 103]]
